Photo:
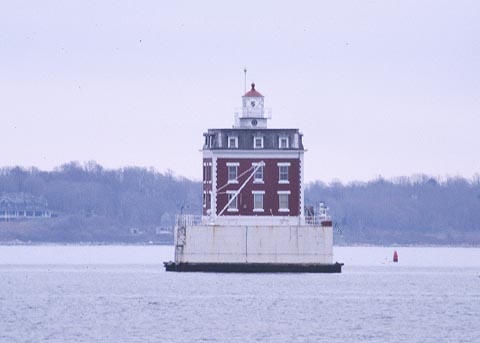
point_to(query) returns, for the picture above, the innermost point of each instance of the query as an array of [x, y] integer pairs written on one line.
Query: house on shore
[[17, 206]]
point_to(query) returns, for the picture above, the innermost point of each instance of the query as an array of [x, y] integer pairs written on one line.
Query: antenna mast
[[245, 80]]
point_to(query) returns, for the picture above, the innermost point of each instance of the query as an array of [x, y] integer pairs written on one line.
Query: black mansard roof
[[217, 139]]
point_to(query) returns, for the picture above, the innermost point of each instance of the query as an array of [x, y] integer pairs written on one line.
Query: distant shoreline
[[162, 244]]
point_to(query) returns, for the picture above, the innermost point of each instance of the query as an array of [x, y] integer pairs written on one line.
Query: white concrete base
[[254, 244]]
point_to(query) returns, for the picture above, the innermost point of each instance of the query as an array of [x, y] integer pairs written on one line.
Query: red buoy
[[395, 256]]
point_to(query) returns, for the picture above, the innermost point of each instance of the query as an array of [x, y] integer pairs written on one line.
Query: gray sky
[[377, 87]]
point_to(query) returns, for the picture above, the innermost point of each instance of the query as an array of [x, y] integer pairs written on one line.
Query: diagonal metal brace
[[260, 164]]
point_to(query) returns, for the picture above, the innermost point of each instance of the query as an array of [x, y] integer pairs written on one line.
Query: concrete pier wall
[[254, 244]]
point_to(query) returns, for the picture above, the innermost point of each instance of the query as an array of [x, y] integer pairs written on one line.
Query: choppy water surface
[[122, 294]]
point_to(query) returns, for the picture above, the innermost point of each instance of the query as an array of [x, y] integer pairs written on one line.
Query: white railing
[[317, 220], [246, 112], [189, 220], [183, 220]]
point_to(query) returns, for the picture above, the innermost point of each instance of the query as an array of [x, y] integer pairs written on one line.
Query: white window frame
[[255, 141], [255, 179], [207, 172], [283, 209], [256, 193], [236, 165], [235, 138], [285, 139], [233, 207], [208, 200], [280, 165]]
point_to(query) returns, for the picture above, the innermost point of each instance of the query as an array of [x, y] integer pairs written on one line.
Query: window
[[283, 172], [206, 199], [258, 142], [208, 141], [283, 143], [232, 172], [258, 201], [232, 142], [232, 206], [258, 176], [207, 172], [283, 201]]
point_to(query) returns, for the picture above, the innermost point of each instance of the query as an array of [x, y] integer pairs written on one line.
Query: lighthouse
[[253, 202], [253, 174]]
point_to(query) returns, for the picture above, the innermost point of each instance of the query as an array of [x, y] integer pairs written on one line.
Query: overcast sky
[[377, 87]]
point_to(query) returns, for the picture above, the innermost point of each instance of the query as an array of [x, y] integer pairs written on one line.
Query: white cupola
[[253, 113]]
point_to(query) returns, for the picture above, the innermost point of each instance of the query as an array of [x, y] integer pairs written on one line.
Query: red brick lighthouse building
[[253, 201], [251, 171]]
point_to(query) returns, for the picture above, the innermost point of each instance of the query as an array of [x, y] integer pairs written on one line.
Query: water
[[122, 294]]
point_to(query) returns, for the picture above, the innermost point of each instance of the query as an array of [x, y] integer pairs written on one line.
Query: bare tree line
[[405, 210], [92, 203]]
